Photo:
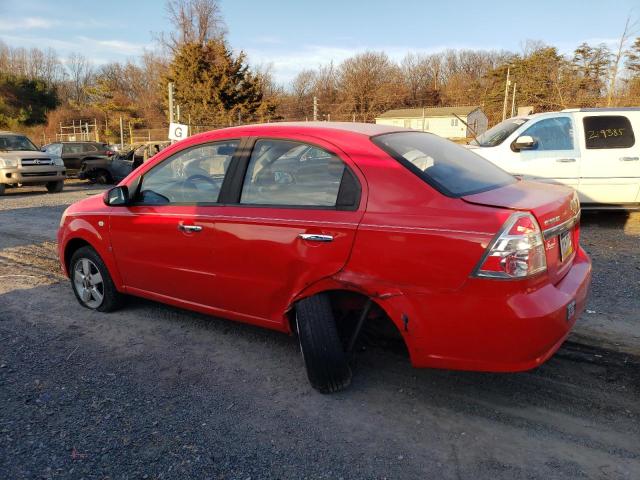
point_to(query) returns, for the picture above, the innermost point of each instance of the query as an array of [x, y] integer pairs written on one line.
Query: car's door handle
[[189, 228], [314, 237], [629, 159], [566, 160]]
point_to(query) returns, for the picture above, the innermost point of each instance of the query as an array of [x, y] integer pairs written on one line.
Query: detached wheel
[[322, 351], [91, 281], [55, 187]]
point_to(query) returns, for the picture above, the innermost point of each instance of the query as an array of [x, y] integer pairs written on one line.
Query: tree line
[[215, 86]]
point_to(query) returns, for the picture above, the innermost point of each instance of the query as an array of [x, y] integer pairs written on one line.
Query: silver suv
[[21, 163]]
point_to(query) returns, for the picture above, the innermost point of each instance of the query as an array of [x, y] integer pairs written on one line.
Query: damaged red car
[[326, 230]]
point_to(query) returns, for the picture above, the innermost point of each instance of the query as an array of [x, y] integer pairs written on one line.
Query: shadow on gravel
[[605, 219]]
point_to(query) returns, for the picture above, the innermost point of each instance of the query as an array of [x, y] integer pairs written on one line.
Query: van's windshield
[[451, 169], [498, 134], [10, 143]]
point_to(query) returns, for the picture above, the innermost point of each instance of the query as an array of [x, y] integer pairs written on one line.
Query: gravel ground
[[155, 392]]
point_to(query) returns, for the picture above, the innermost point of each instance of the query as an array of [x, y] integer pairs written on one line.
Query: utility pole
[[121, 133], [506, 95], [315, 108], [178, 113], [170, 102], [513, 101]]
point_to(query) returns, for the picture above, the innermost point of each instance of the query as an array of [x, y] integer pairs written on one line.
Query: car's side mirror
[[43, 149], [524, 142], [117, 196]]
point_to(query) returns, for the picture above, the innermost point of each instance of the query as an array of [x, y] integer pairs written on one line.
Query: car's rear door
[[610, 167], [164, 243], [290, 219]]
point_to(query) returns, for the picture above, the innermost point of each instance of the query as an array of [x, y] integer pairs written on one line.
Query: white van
[[593, 150]]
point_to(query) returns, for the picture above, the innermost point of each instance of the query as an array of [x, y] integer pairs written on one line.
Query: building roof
[[430, 112]]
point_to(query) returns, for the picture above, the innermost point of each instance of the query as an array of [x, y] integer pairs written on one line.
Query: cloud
[[96, 50], [27, 23]]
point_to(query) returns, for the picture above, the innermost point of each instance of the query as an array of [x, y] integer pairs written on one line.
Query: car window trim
[[140, 179], [240, 172]]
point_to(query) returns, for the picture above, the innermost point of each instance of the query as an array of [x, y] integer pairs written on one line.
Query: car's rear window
[[449, 168]]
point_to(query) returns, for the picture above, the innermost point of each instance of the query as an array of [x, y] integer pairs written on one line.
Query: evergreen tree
[[215, 87]]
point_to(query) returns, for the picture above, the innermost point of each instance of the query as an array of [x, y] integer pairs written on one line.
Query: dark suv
[[74, 154]]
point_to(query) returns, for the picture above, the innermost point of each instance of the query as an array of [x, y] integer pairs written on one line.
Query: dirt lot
[[155, 392]]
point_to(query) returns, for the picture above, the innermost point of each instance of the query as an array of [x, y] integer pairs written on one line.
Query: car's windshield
[[497, 134], [451, 169], [16, 143]]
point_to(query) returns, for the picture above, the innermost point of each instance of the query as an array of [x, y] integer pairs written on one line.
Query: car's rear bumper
[[483, 328], [30, 175]]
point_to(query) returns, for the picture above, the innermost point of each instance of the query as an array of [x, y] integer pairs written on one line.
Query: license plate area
[[566, 245]]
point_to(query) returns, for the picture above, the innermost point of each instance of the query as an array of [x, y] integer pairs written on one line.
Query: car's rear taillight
[[516, 252], [110, 152]]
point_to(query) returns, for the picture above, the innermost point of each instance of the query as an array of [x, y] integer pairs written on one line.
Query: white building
[[447, 122]]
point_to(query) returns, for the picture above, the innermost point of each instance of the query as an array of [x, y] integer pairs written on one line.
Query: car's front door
[[72, 155], [610, 167], [164, 242], [555, 156], [296, 213]]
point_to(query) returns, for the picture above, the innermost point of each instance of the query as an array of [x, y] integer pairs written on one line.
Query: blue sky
[[292, 35]]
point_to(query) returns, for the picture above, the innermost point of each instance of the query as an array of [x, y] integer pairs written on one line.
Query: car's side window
[[193, 175], [608, 131], [552, 134], [55, 149], [289, 173], [87, 147], [72, 148]]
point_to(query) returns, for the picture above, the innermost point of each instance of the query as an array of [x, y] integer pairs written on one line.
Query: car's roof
[[366, 129], [7, 132]]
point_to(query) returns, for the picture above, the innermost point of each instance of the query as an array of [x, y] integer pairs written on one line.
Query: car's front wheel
[[91, 281], [322, 351], [55, 187]]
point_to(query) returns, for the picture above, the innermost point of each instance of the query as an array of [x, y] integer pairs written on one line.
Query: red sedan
[[330, 229]]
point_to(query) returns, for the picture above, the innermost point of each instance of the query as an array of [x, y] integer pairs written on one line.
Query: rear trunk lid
[[557, 211]]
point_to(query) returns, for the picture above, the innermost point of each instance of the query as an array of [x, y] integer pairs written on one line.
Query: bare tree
[[627, 33], [417, 74], [80, 75], [368, 85], [194, 21]]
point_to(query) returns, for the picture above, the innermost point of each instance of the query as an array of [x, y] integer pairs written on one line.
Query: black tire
[[111, 298], [3, 187], [324, 357], [55, 187], [102, 177]]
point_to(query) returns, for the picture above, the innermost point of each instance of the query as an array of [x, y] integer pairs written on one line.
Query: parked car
[[327, 228], [124, 163], [120, 164], [593, 150], [22, 163], [74, 154]]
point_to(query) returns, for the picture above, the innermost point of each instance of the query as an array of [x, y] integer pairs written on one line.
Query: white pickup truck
[[593, 150]]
